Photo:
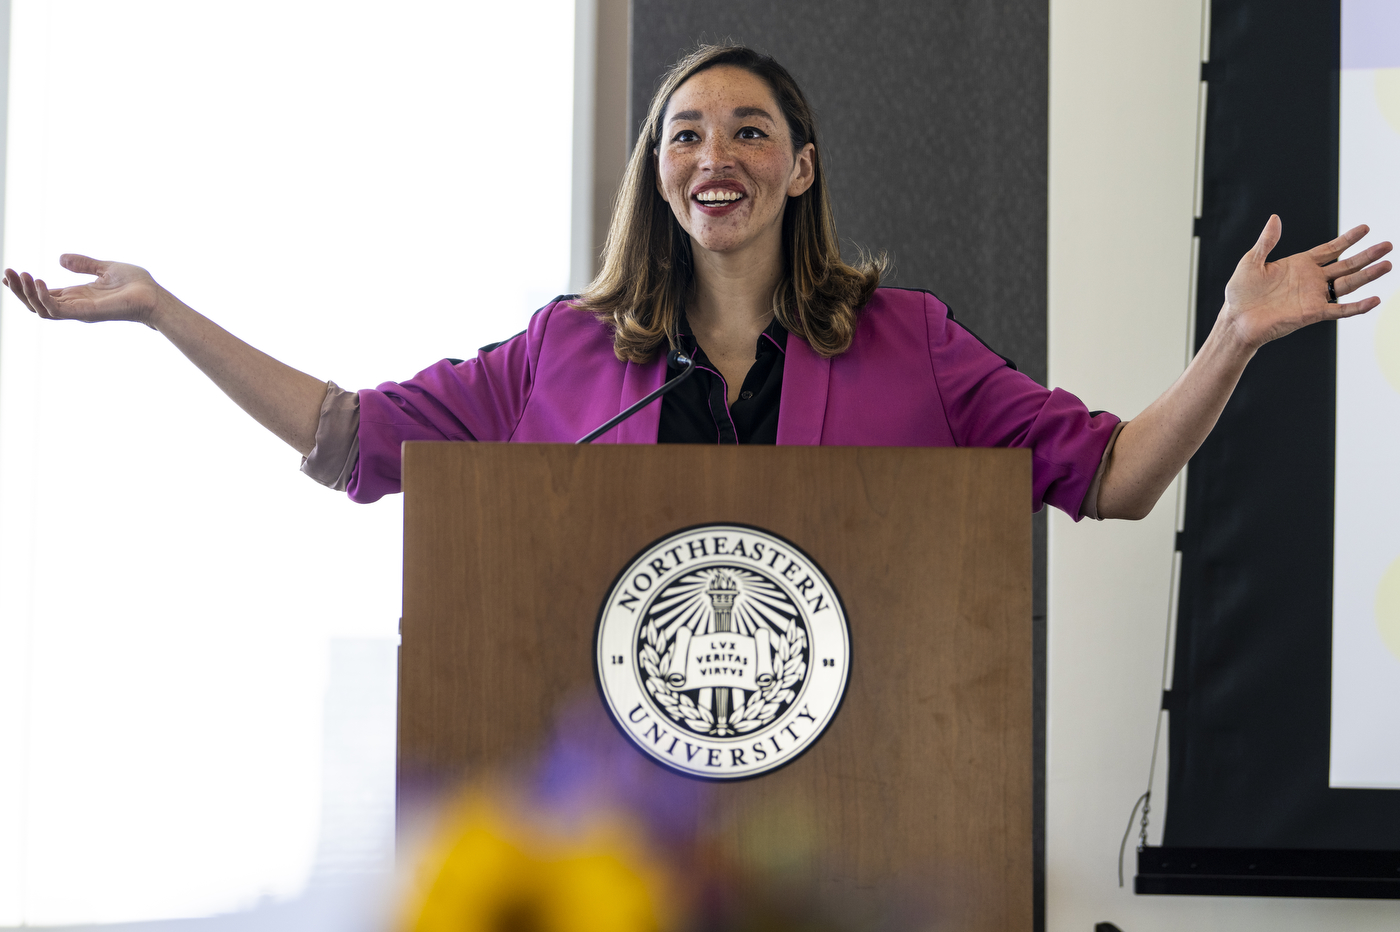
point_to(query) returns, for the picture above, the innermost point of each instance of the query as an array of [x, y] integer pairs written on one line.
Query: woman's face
[[725, 163]]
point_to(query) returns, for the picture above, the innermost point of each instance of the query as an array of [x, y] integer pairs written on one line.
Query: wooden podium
[[921, 786]]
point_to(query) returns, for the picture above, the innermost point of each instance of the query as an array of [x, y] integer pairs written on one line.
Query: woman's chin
[[725, 243], [713, 247]]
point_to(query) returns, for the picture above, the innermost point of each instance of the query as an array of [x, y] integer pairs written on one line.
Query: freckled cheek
[[775, 172], [673, 183]]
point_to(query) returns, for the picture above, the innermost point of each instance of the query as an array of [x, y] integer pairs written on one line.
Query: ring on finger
[[1331, 292]]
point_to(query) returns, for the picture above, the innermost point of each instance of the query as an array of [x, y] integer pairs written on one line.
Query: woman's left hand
[[1267, 300], [1263, 301]]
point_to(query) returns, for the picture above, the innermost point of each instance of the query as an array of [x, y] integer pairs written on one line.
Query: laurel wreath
[[762, 706]]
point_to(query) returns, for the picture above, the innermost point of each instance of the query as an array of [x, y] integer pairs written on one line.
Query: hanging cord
[[1145, 800], [1123, 845]]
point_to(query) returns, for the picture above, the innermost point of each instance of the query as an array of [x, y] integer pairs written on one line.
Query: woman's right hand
[[282, 399], [121, 292]]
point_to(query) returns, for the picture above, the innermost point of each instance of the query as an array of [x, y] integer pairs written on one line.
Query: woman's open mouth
[[718, 201]]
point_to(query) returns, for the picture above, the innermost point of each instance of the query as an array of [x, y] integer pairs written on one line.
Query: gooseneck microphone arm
[[675, 357]]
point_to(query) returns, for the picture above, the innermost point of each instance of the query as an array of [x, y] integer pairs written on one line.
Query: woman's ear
[[804, 171]]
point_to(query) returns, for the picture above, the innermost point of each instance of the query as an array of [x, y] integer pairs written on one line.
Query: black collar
[[774, 336]]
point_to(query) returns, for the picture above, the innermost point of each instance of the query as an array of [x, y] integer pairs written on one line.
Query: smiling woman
[[723, 244], [725, 192]]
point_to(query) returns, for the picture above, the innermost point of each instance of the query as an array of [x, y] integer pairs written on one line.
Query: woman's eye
[[752, 132], [686, 135]]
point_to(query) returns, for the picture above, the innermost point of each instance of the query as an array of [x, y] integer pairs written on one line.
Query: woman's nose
[[716, 152]]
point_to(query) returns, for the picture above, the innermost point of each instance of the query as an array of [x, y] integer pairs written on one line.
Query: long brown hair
[[648, 272]]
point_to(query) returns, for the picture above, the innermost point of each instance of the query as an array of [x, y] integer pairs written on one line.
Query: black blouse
[[697, 410]]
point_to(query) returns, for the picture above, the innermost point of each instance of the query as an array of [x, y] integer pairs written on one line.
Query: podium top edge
[[455, 447]]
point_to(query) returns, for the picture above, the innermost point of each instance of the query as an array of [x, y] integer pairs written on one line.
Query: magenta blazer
[[912, 377]]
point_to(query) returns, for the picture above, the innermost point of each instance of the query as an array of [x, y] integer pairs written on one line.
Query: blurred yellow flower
[[489, 870]]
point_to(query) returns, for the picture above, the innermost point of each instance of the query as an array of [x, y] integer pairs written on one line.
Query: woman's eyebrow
[[739, 112]]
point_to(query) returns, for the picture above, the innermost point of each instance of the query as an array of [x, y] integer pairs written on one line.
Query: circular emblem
[[722, 651]]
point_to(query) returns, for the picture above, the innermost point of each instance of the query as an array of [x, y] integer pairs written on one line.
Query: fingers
[[25, 289], [1349, 283], [31, 295], [16, 285], [1330, 251], [46, 300], [85, 265], [1354, 308], [12, 283], [37, 296], [1352, 263], [55, 303], [1268, 239]]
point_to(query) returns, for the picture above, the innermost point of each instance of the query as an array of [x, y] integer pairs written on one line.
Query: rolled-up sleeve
[[337, 446], [990, 404]]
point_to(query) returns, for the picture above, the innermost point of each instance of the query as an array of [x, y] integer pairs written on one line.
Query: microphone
[[673, 358]]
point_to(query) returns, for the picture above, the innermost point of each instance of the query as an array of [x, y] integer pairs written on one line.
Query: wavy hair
[[648, 271]]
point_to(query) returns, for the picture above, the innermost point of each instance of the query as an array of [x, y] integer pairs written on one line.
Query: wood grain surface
[[917, 800]]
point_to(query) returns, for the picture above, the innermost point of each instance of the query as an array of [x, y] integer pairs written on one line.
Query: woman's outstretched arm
[[1263, 301], [282, 399]]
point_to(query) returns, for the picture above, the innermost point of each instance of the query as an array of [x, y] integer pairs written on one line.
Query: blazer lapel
[[802, 411], [639, 381]]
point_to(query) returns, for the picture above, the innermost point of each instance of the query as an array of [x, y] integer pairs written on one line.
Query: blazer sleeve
[[479, 399], [989, 404]]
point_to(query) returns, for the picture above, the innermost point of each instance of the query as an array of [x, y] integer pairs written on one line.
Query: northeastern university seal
[[722, 651]]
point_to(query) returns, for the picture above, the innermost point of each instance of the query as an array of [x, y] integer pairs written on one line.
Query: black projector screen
[[1249, 807]]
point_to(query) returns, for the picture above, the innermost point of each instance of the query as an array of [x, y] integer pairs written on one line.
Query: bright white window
[[358, 189]]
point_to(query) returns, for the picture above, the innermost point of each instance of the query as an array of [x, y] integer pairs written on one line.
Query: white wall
[[1123, 116]]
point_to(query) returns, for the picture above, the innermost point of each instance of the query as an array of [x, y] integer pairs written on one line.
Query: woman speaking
[[723, 245]]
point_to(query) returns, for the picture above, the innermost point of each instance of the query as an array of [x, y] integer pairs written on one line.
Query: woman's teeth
[[718, 197]]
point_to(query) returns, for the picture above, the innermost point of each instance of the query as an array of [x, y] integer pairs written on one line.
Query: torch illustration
[[722, 591]]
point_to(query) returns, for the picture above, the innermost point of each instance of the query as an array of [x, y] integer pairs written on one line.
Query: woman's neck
[[733, 305], [733, 301]]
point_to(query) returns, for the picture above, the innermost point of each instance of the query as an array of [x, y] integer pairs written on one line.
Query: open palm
[[1267, 300], [120, 292]]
